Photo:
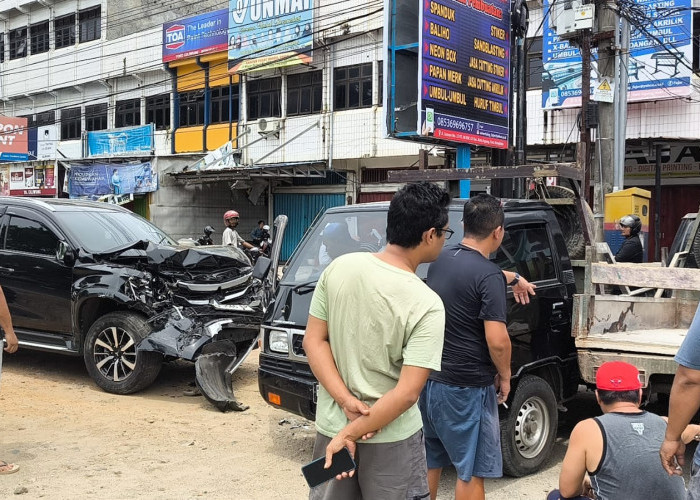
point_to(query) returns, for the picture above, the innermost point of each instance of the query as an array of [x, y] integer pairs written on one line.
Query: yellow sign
[[603, 92]]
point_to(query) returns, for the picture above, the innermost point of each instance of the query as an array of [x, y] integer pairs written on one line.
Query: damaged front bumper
[[212, 318]]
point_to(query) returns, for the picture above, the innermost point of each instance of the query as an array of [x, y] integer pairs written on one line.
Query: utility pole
[[583, 152], [608, 23]]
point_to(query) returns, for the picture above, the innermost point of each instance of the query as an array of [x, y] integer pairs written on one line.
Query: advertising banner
[[121, 141], [659, 64], [14, 139], [32, 180], [98, 180], [4, 180], [47, 139], [195, 35], [464, 76], [269, 34]]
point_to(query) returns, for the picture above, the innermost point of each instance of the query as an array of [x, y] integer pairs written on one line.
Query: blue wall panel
[[302, 210]]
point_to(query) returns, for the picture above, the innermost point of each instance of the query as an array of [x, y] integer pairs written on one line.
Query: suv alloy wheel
[[111, 356]]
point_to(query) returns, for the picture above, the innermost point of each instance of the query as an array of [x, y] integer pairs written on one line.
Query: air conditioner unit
[[269, 127]]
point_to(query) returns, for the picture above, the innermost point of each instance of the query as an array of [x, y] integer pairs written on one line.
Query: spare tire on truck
[[569, 220]]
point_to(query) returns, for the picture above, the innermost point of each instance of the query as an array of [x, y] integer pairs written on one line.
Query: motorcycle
[[206, 239], [262, 245]]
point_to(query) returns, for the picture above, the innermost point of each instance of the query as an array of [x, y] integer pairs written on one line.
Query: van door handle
[[6, 270]]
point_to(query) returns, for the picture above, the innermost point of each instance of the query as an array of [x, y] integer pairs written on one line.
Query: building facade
[[230, 119]]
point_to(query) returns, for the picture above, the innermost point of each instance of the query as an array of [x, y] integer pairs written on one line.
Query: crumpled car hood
[[206, 269], [175, 258]]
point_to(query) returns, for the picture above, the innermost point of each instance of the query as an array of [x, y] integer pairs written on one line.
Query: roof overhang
[[268, 171]]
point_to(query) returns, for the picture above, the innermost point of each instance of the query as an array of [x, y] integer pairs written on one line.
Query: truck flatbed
[[663, 341]]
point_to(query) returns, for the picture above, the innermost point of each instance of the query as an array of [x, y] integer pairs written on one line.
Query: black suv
[[96, 280], [544, 361]]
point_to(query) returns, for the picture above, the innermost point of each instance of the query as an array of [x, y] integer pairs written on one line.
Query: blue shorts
[[461, 428]]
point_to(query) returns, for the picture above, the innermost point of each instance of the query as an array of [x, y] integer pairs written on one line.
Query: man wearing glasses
[[459, 403], [373, 335]]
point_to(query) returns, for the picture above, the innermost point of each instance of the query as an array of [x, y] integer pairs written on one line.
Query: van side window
[[25, 235], [526, 250]]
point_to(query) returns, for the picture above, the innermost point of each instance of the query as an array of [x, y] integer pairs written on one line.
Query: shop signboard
[[47, 139], [98, 180], [194, 36], [14, 139], [267, 34], [463, 71], [659, 65], [28, 180], [121, 141]]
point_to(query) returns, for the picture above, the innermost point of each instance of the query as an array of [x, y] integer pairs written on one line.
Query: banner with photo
[[264, 35], [121, 141], [28, 180], [660, 58], [97, 180]]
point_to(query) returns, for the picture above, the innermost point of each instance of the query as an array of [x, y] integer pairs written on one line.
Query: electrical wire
[[108, 43], [193, 86]]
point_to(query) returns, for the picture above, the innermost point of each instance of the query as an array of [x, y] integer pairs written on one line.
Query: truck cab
[[544, 362]]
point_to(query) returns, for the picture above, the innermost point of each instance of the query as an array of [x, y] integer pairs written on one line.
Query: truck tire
[[529, 429], [129, 370], [570, 222], [694, 253]]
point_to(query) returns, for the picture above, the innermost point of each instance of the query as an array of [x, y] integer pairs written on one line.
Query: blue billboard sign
[[98, 179], [195, 35], [464, 71], [121, 141], [659, 64], [267, 34]]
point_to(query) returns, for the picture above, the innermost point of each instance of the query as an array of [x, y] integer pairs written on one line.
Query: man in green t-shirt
[[374, 335]]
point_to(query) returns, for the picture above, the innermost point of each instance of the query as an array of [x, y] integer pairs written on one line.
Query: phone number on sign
[[444, 122]]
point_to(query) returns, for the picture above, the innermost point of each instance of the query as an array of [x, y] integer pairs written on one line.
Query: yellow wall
[[191, 77], [218, 73], [189, 139], [218, 69], [217, 135]]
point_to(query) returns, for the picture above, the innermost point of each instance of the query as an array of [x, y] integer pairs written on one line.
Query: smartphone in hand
[[315, 474]]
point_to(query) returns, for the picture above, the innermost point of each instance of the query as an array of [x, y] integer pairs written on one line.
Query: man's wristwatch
[[515, 280]]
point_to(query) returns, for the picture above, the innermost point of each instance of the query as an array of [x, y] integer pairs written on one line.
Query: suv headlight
[[279, 342]]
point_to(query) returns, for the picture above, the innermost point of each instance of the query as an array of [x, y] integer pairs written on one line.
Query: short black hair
[[414, 209], [482, 214], [610, 397], [261, 222]]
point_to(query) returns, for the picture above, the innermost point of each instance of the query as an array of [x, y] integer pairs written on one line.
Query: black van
[[544, 363]]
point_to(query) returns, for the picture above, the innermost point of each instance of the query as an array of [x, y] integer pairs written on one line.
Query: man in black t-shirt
[[459, 404]]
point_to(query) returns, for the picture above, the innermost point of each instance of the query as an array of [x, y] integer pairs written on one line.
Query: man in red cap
[[619, 449]]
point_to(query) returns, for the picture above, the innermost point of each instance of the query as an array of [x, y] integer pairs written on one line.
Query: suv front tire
[[111, 356]]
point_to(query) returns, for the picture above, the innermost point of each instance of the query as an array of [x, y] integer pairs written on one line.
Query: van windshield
[[335, 235]]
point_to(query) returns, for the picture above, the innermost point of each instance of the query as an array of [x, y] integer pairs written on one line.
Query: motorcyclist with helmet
[[206, 239], [631, 249], [231, 236], [259, 233]]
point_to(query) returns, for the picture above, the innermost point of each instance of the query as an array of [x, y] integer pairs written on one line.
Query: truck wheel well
[[549, 374], [90, 310]]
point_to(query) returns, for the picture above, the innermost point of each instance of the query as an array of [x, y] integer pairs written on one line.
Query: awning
[[268, 171]]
